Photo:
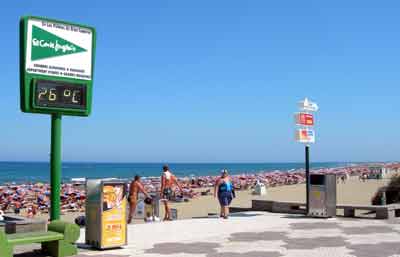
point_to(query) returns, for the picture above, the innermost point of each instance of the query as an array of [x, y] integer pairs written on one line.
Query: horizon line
[[192, 162]]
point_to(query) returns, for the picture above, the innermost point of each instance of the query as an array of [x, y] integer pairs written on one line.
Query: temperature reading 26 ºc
[[51, 94], [60, 95]]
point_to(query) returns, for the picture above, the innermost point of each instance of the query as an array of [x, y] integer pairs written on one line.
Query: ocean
[[22, 172]]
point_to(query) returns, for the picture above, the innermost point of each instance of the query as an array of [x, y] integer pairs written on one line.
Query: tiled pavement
[[260, 235]]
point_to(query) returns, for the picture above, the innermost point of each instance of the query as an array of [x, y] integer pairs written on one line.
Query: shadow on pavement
[[243, 214], [297, 216], [36, 253]]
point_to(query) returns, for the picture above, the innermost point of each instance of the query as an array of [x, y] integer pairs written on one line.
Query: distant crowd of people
[[33, 198], [30, 199]]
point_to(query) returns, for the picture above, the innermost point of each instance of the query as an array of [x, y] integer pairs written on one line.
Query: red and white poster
[[304, 119], [305, 136]]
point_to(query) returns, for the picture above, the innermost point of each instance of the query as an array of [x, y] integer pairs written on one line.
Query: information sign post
[[56, 78], [306, 135]]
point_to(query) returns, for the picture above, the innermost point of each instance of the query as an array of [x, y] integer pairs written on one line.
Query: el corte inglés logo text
[[56, 46]]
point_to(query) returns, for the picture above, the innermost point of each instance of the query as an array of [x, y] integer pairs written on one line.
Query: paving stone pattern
[[367, 230], [375, 250], [192, 248], [263, 235], [246, 254], [258, 236], [318, 242]]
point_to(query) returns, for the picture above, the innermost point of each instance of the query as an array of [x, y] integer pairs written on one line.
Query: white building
[[390, 169]]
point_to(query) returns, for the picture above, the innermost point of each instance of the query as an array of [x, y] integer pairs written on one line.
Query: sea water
[[22, 172]]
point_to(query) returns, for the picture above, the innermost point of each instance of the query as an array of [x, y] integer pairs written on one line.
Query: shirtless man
[[167, 182], [134, 189]]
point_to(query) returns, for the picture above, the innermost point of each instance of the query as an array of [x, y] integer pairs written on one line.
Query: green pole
[[55, 166]]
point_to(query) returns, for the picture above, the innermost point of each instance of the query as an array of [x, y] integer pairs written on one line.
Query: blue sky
[[218, 81]]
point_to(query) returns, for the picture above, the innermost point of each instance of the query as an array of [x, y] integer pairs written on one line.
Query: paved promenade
[[259, 234]]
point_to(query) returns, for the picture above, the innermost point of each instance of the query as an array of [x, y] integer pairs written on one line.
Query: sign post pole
[[307, 148], [306, 135], [55, 166]]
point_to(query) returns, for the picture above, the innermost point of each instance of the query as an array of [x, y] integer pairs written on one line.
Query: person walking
[[224, 190], [135, 187], [168, 181]]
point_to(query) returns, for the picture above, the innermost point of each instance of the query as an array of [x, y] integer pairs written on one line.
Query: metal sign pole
[[307, 178], [305, 134], [55, 166]]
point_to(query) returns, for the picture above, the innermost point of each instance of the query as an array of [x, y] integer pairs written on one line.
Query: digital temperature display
[[60, 95]]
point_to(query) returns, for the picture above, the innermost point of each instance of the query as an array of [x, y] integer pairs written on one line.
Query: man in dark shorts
[[168, 180]]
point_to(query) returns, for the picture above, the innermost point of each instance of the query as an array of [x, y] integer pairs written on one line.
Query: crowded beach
[[31, 199]]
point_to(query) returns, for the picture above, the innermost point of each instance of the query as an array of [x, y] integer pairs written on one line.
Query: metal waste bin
[[106, 213], [322, 195], [152, 211], [156, 205]]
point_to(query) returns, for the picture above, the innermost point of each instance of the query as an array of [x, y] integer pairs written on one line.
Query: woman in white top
[[168, 180]]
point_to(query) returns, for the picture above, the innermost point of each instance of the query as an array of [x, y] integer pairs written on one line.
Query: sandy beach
[[353, 191]]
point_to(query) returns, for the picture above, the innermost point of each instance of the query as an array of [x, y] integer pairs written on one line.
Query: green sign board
[[56, 59]]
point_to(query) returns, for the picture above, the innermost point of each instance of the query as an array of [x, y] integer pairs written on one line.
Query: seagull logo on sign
[[47, 45]]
